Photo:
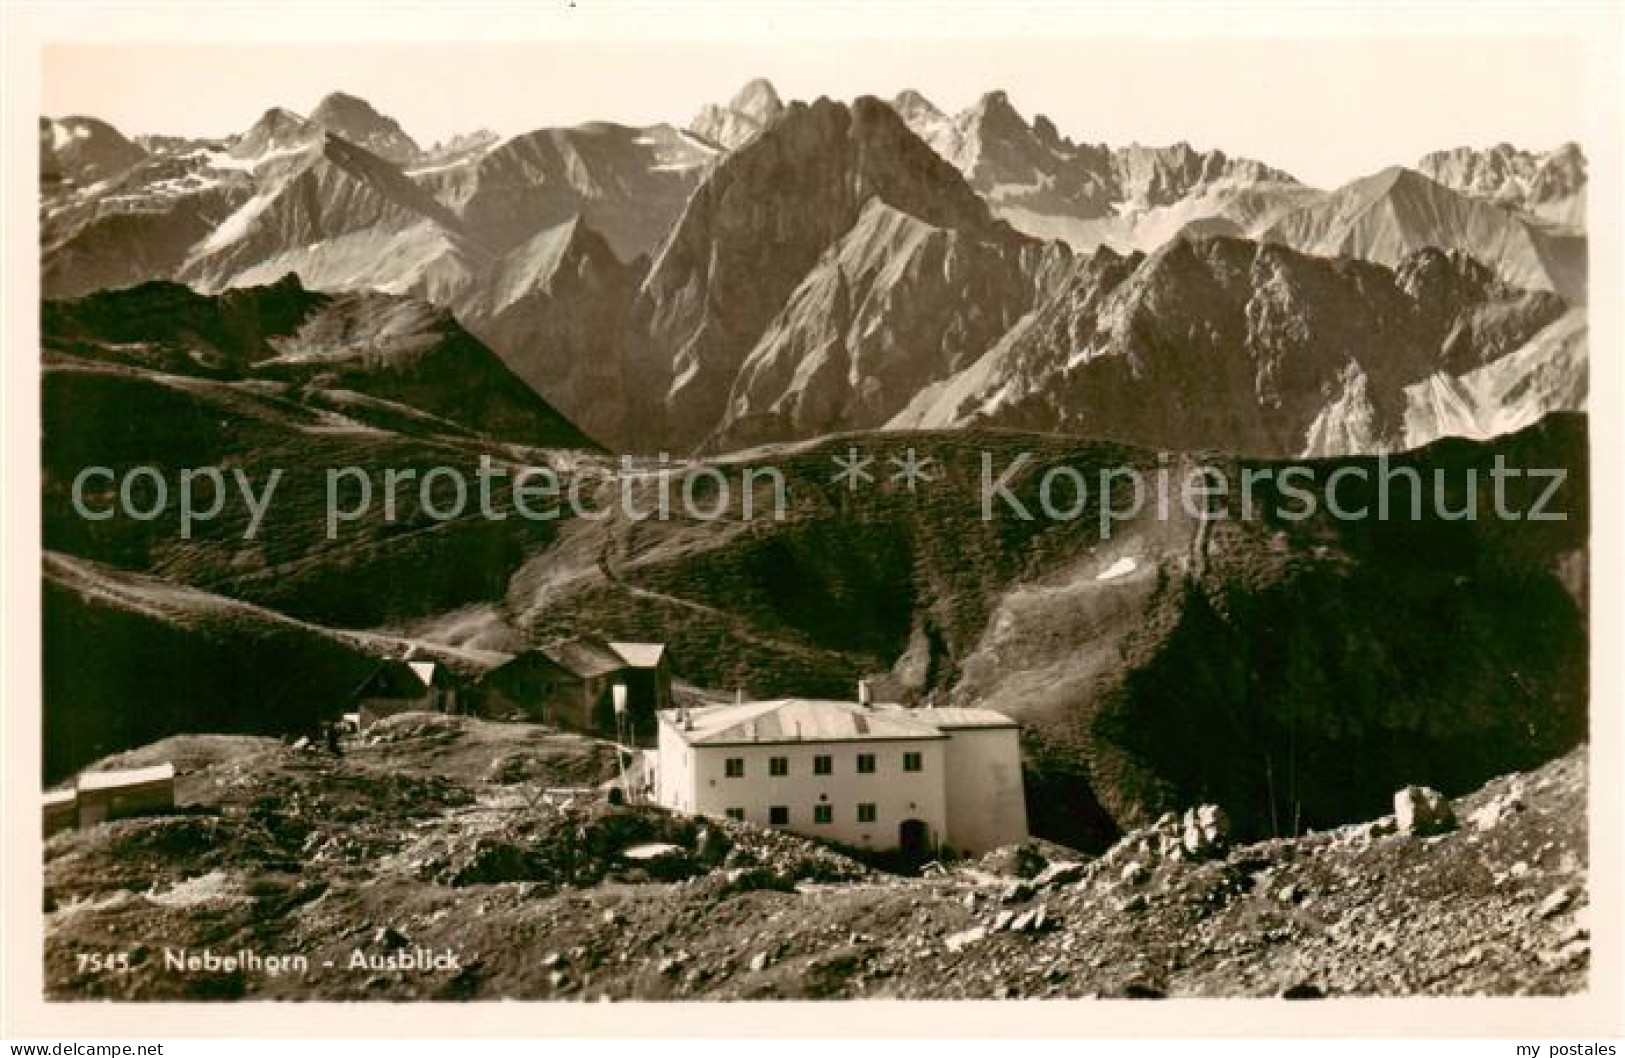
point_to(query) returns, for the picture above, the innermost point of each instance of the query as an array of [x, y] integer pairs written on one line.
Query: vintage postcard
[[719, 507]]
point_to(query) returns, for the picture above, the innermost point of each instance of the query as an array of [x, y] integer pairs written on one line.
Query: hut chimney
[[863, 693]]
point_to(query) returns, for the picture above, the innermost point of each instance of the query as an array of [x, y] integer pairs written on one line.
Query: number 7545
[[104, 962]]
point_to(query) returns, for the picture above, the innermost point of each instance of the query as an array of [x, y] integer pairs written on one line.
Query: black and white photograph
[[823, 517]]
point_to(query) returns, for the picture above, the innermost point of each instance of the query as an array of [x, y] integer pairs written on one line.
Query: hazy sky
[[1326, 110]]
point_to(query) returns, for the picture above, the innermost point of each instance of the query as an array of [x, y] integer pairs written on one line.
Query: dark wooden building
[[571, 683], [407, 686]]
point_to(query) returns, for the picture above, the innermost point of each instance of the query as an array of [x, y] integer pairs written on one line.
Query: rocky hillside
[[894, 305], [137, 226], [328, 211], [1224, 343], [1150, 668], [432, 834], [557, 306], [392, 349], [194, 661], [629, 184]]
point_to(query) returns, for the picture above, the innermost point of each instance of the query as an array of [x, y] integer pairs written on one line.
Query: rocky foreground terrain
[[452, 836]]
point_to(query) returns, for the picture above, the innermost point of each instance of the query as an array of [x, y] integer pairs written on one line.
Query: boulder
[[711, 846], [1022, 860], [1420, 810], [1058, 874], [1205, 831], [1379, 828], [1557, 903], [492, 860], [1490, 815], [1575, 951]]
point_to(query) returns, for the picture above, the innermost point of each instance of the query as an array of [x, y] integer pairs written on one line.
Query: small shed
[[648, 678], [105, 795]]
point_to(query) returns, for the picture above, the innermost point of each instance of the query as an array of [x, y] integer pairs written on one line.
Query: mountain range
[[780, 271]]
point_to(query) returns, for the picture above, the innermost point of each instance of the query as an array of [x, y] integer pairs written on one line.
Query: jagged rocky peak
[[358, 121], [1051, 186], [463, 143], [1561, 173], [734, 124], [760, 222], [994, 121], [278, 129], [758, 99], [995, 145], [841, 156], [995, 106], [1155, 176], [911, 105], [1550, 185], [1494, 170], [930, 123], [885, 159], [1048, 134]]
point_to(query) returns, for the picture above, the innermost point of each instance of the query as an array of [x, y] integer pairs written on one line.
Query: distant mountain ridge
[[1550, 185], [1010, 161], [776, 272], [1398, 211], [1086, 194], [1246, 347]]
